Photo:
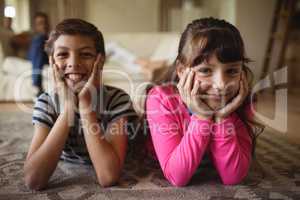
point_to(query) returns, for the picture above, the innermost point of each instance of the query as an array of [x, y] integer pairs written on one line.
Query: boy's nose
[[73, 61]]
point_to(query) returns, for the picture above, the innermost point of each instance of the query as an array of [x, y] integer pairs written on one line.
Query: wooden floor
[[266, 107]]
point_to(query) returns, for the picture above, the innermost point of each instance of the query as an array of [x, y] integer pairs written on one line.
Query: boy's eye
[[87, 55], [233, 71], [62, 55]]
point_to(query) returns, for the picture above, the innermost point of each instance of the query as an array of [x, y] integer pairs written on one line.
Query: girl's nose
[[219, 82]]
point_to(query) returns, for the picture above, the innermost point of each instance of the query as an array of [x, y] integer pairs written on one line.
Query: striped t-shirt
[[111, 104]]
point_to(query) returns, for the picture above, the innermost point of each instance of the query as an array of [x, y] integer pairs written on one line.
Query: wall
[[181, 15], [58, 10], [108, 15], [227, 10], [254, 19], [2, 5], [21, 22], [123, 16], [22, 16]]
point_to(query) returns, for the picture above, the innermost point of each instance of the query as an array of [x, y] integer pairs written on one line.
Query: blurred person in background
[[36, 53], [6, 34], [7, 24]]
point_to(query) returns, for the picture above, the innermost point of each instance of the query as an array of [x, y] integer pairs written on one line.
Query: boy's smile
[[75, 77], [75, 56]]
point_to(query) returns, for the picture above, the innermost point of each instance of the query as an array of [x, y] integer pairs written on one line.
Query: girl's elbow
[[234, 179], [176, 176], [237, 173], [231, 182], [177, 181]]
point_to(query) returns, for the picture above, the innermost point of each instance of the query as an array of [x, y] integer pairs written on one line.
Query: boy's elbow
[[34, 183], [107, 181], [32, 179]]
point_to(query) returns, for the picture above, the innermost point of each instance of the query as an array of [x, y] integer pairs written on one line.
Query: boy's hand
[[236, 101], [65, 95], [189, 91], [89, 90]]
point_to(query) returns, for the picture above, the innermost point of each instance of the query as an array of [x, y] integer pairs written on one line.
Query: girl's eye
[[205, 71], [233, 71]]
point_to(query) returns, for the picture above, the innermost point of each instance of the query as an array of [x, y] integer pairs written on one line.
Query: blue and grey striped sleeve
[[43, 111], [119, 105]]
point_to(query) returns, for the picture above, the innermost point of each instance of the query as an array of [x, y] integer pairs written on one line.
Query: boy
[[83, 121]]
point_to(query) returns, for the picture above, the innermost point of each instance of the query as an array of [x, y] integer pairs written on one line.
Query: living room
[[141, 43]]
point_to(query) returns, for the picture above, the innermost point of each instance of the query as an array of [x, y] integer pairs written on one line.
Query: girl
[[202, 107], [83, 121]]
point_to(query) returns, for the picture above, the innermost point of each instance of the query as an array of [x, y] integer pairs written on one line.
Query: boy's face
[[75, 56], [219, 81]]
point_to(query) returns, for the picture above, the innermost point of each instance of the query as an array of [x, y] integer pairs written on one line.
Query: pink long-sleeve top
[[181, 139]]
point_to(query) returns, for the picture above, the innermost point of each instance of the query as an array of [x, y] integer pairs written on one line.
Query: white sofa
[[15, 73]]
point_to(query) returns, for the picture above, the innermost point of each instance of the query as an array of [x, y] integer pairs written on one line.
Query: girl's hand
[[189, 91], [65, 95], [236, 101], [89, 90]]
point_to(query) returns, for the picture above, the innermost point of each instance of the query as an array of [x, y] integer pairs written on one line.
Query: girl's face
[[219, 81], [75, 56]]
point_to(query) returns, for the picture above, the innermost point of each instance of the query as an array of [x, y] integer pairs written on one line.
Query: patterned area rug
[[275, 174]]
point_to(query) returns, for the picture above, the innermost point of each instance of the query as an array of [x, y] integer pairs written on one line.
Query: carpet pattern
[[275, 174]]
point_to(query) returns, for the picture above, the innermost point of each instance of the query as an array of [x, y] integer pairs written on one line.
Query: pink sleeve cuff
[[202, 127], [226, 127]]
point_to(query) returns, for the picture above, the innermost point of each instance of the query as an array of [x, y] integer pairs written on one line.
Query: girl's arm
[[231, 149], [179, 151], [44, 151], [231, 145], [106, 152]]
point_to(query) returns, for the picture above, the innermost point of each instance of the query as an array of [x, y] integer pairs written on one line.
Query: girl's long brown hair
[[201, 39]]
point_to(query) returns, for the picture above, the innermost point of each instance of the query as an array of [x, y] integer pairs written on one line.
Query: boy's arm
[[106, 152], [44, 151]]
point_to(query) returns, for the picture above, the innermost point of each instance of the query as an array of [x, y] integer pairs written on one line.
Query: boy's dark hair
[[76, 27]]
